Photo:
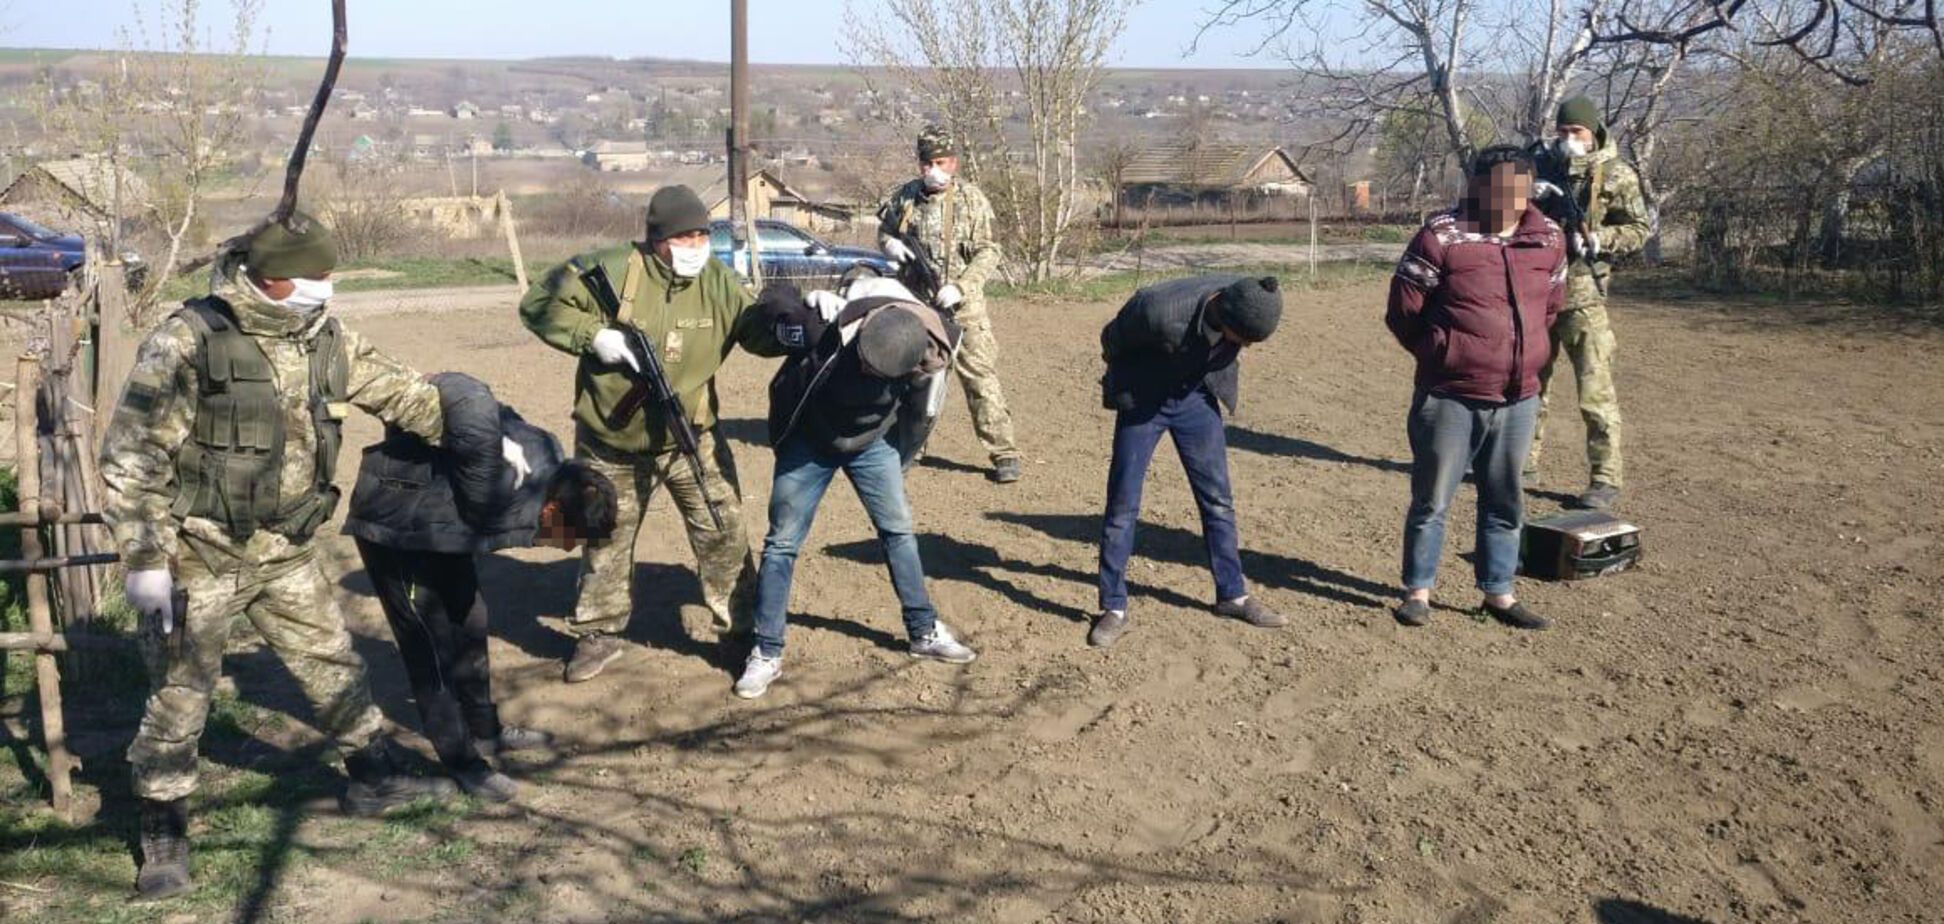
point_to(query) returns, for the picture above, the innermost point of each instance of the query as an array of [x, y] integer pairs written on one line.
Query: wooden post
[[1312, 255], [116, 340], [512, 239], [47, 674]]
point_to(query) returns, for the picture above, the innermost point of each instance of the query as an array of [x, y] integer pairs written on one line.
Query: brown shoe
[[1250, 610], [592, 654], [1108, 627]]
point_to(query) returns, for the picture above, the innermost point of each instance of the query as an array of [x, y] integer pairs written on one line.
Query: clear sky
[[780, 31]]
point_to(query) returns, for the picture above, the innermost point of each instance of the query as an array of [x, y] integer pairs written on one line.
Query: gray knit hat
[[675, 210], [1252, 307], [892, 343]]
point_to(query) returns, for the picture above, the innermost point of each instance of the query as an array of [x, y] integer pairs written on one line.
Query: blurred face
[[1501, 195], [664, 247], [554, 532]]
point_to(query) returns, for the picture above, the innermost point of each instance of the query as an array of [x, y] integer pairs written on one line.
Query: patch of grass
[[399, 273], [1331, 275], [693, 859]]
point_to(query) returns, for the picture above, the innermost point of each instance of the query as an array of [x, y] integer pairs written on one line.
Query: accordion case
[[1579, 545]]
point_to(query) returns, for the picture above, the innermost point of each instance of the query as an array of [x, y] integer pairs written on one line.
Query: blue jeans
[[1447, 434], [802, 475], [1196, 426]]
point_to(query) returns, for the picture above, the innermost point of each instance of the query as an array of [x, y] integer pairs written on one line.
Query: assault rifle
[[650, 383], [920, 274], [1562, 205]]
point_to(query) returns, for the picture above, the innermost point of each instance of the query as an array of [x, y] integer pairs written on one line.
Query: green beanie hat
[[297, 248], [1583, 112], [675, 210]]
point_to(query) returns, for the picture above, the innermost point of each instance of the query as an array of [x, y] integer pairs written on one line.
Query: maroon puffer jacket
[[1475, 309]]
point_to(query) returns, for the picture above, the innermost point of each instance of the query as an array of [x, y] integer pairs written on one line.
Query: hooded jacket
[[457, 498], [1475, 309], [822, 389]]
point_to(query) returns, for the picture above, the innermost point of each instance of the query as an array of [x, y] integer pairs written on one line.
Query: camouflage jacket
[[973, 255], [156, 415], [1619, 214]]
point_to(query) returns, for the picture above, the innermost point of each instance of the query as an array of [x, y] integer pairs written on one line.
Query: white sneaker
[[758, 673], [940, 645]]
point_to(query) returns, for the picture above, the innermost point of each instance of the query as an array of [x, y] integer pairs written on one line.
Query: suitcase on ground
[[1579, 545]]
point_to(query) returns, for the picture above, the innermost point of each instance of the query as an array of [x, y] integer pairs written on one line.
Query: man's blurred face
[[1502, 194], [1579, 133], [554, 531]]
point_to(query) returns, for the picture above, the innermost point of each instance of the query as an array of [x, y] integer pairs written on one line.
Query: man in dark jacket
[[1171, 367], [856, 366], [1473, 299], [420, 513]]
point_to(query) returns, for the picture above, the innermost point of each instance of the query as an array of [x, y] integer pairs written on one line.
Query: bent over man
[[951, 217], [218, 465], [693, 310], [420, 513]]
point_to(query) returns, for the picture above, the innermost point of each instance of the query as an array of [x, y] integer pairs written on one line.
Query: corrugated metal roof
[[1202, 163]]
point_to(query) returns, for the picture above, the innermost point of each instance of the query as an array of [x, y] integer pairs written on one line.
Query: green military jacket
[[970, 255], [693, 322], [156, 415], [1617, 211]]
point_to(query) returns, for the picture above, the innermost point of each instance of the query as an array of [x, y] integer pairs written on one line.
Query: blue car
[[35, 261], [789, 254]]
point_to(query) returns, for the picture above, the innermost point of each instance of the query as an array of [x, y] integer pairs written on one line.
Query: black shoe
[[1412, 612], [1598, 496], [1517, 616], [1250, 610], [378, 785], [1108, 627], [165, 850], [486, 784], [1006, 470]]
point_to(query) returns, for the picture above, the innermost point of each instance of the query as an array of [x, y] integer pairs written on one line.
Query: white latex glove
[[897, 251], [148, 592], [827, 303], [515, 459], [950, 296], [1545, 190], [612, 348]]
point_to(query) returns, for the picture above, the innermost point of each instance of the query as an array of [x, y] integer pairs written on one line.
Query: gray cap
[[675, 210], [892, 343], [1252, 308]]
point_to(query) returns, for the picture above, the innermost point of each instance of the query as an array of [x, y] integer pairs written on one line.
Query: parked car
[[37, 262], [790, 254]]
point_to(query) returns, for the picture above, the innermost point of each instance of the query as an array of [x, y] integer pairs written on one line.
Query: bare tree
[[1829, 35], [1011, 79]]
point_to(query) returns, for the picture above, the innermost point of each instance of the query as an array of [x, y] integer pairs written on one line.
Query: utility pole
[[741, 224]]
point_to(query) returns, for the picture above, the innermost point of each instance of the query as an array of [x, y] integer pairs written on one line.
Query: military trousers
[[292, 606], [1583, 335], [977, 365], [723, 561]]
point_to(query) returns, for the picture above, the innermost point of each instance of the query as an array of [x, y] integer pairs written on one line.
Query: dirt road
[[1746, 730]]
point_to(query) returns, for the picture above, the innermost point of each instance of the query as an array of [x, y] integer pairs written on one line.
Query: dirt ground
[[1745, 729]]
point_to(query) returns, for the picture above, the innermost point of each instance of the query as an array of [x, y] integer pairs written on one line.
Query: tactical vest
[[230, 468]]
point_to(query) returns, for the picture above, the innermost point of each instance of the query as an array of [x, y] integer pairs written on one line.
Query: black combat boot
[[165, 850], [379, 785]]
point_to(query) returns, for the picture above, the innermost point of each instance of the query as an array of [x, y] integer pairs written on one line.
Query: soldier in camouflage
[[218, 464], [952, 218], [695, 311], [1607, 190]]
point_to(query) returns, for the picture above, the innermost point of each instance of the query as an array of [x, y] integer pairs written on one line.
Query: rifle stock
[[650, 383]]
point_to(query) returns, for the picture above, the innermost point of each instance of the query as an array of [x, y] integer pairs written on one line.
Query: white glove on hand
[[1545, 190], [612, 348], [515, 459], [148, 592], [950, 296], [897, 251], [827, 303]]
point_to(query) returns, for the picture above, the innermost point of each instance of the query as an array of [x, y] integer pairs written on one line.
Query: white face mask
[[307, 296], [687, 262], [935, 178], [1572, 148]]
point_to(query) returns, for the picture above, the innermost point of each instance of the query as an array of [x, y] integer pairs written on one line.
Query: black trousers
[[438, 619]]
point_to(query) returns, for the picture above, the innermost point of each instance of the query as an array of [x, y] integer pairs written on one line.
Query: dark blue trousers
[[1196, 426]]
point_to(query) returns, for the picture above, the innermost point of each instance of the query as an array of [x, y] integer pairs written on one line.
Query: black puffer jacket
[[822, 390], [456, 498]]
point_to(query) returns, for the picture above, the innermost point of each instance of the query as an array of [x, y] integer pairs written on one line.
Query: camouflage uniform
[[695, 322], [273, 580], [961, 216], [1618, 215]]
